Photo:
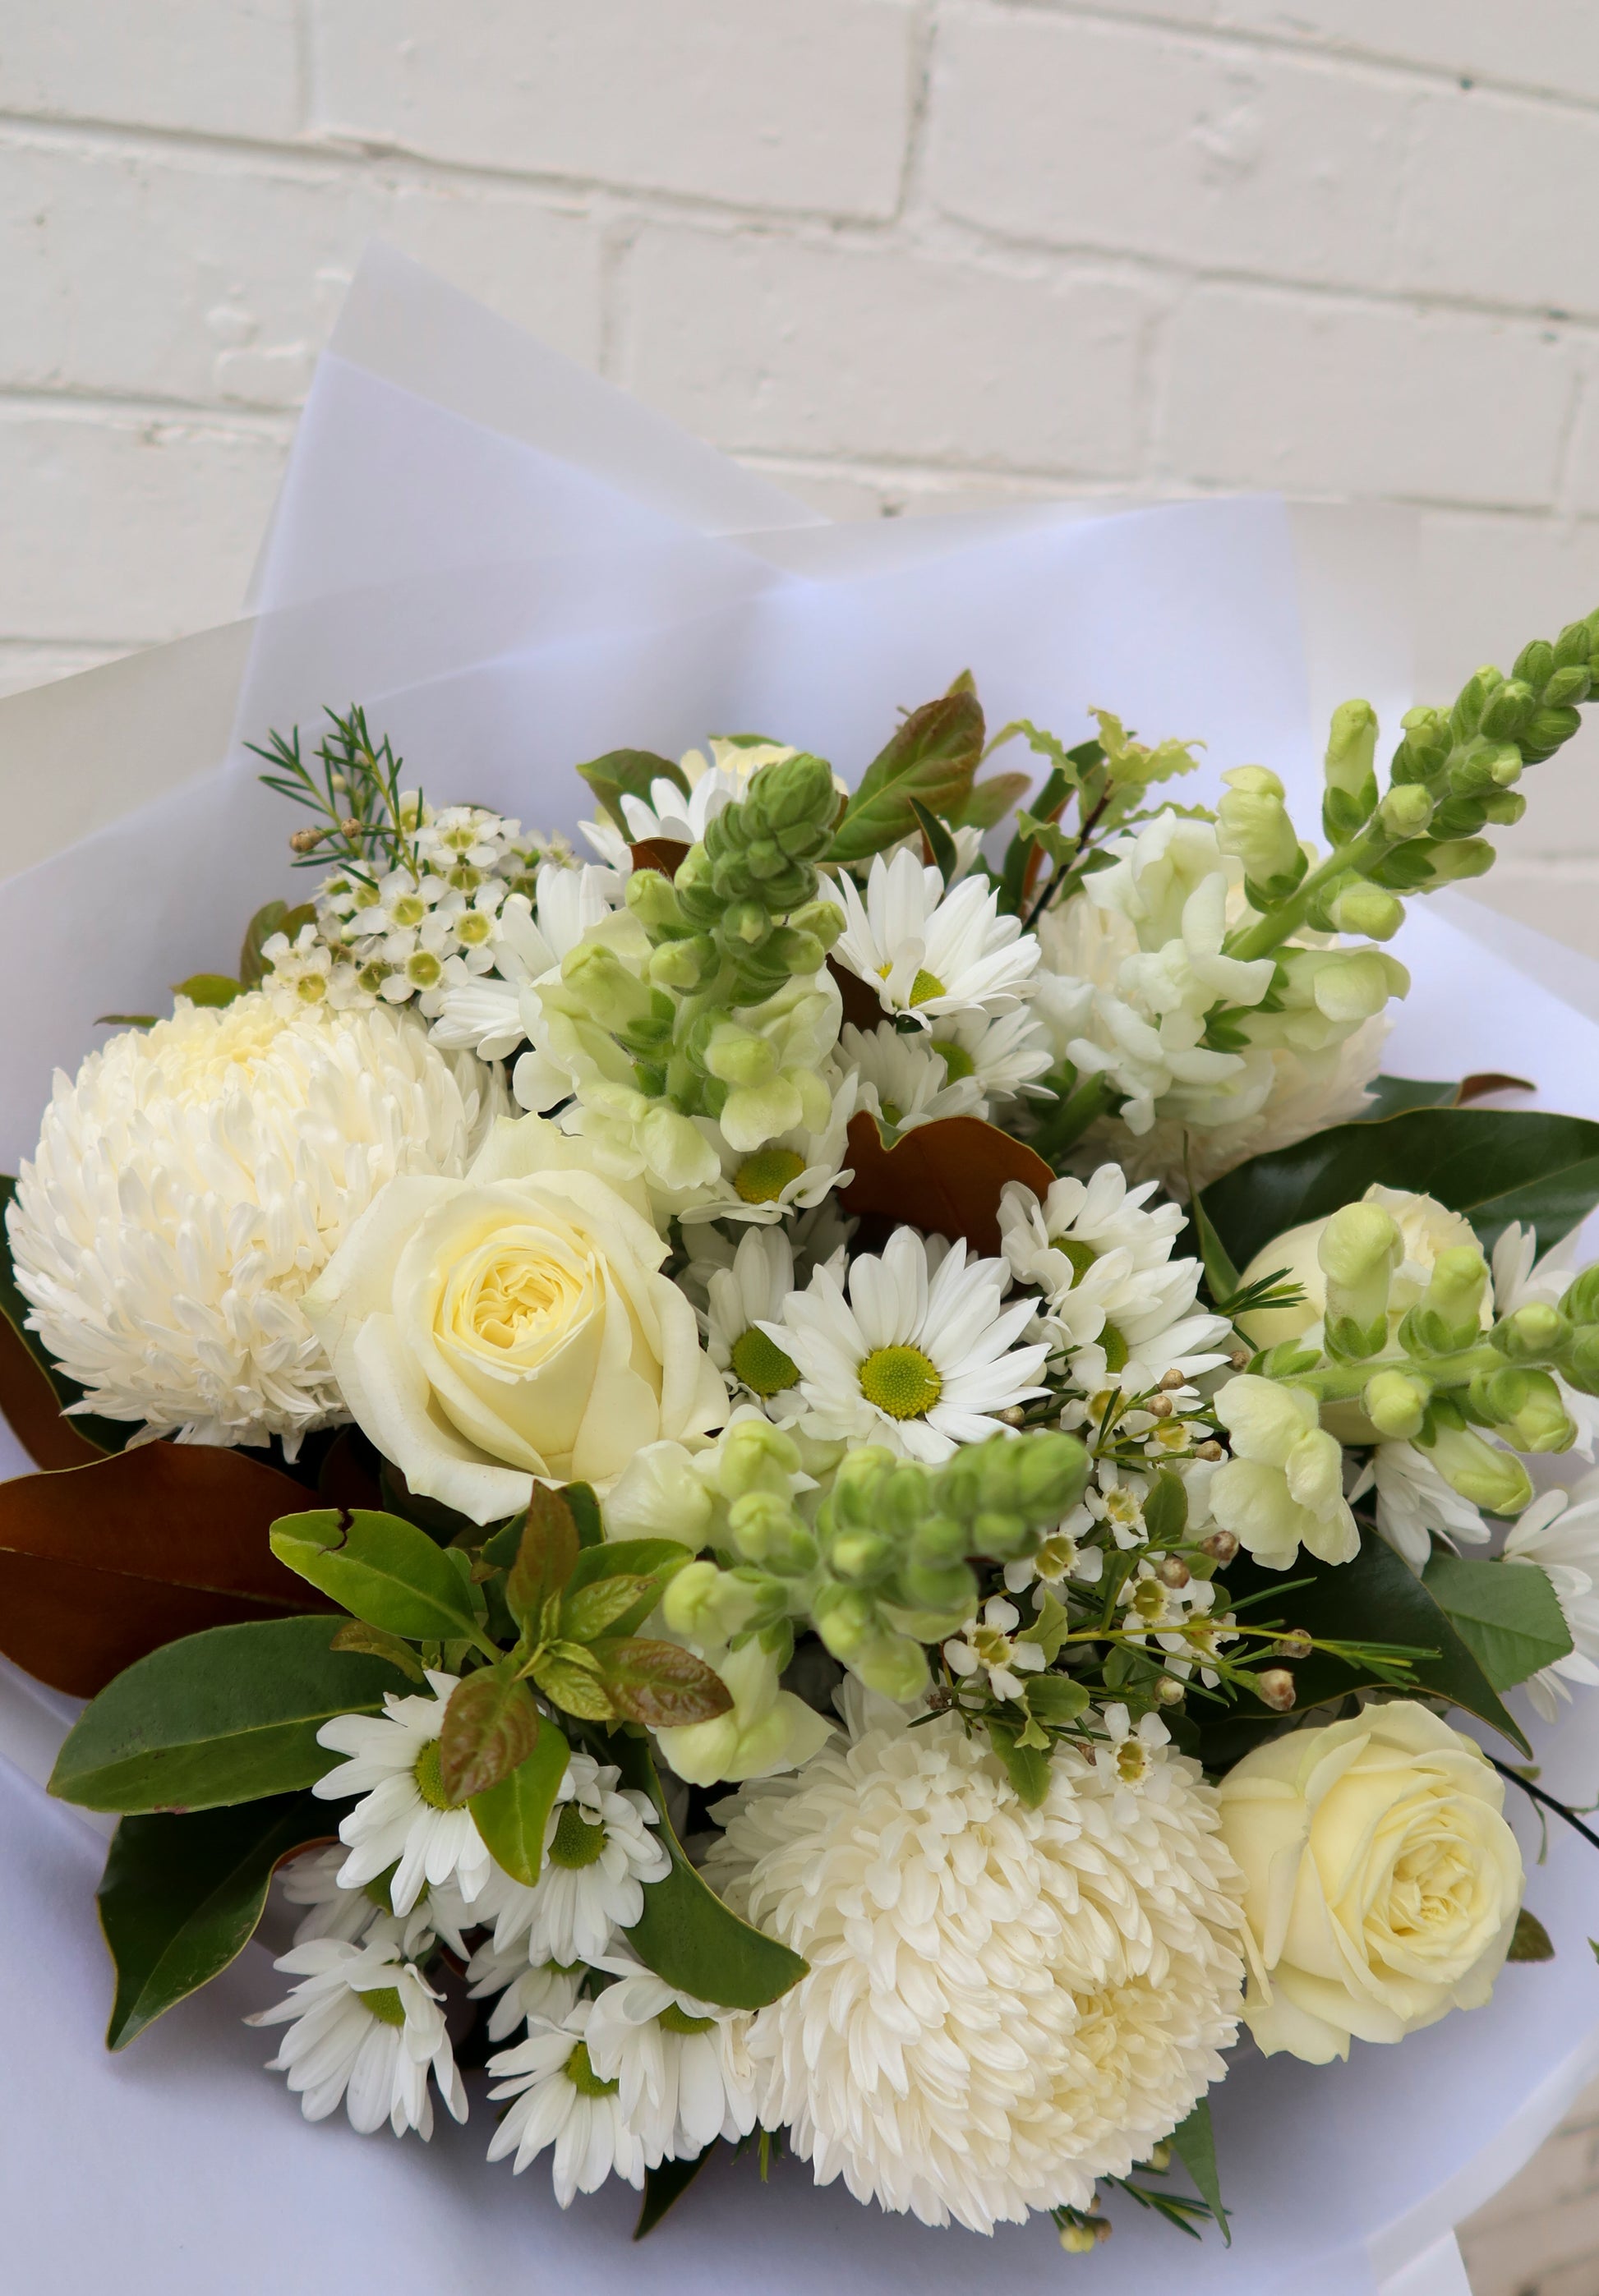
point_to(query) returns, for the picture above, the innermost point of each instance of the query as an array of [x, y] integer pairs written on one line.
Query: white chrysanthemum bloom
[[334, 1911], [599, 1852], [1413, 1501], [402, 1818], [559, 2100], [365, 2027], [988, 1645], [921, 1355], [192, 1182], [1559, 1532], [546, 1990], [903, 1080], [1003, 2003], [482, 1010], [926, 952], [682, 2066]]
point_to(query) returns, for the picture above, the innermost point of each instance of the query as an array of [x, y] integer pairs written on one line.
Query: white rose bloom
[[1097, 1958], [1427, 1228], [1382, 1883], [194, 1180], [512, 1324]]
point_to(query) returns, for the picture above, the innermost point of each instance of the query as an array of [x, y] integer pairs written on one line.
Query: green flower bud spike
[[1351, 780], [1526, 1408], [1449, 1314], [1253, 825], [1396, 1403], [1488, 1477], [1360, 1249]]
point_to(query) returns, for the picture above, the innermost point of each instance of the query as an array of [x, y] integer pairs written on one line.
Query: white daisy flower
[[598, 1854], [312, 1880], [684, 2067], [903, 1080], [987, 1645], [1413, 1501], [920, 1356], [742, 1299], [1559, 1532], [543, 1990], [560, 2099], [365, 2026], [929, 953], [403, 1819], [1055, 1244], [792, 1172], [1002, 1053]]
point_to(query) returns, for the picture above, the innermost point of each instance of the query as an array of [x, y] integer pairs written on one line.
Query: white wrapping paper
[[514, 567]]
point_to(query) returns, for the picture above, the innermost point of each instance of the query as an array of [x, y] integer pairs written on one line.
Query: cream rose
[[512, 1324], [1427, 1227], [1381, 1881]]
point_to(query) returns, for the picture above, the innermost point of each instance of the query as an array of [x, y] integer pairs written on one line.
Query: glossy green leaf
[[1055, 1697], [1026, 1766], [380, 1568], [1374, 1599], [214, 989], [629, 773], [273, 917], [931, 758], [1506, 1614], [355, 1634], [941, 845], [667, 2183], [594, 1611], [1221, 1277], [1193, 2141], [181, 1897], [685, 1933], [512, 1815], [490, 1727], [586, 1513], [651, 1561], [990, 801], [1494, 1165], [570, 1677], [1392, 1096], [1531, 1940], [228, 1716]]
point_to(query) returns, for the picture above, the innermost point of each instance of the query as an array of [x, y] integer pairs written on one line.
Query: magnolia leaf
[[946, 1177], [379, 1568], [546, 1554], [666, 2182], [490, 1726], [34, 1393], [103, 1563], [685, 1935], [568, 1678], [931, 758], [1391, 1095], [665, 855], [1531, 1940], [592, 1611], [1492, 1165], [1506, 1613], [512, 1815], [1026, 1766], [347, 1476], [660, 1684], [213, 989], [629, 773], [1193, 2141], [228, 1716], [355, 1634], [863, 1006], [181, 1897]]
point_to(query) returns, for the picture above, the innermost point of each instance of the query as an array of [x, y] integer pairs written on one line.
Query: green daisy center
[[926, 985], [901, 1381], [429, 1773], [1081, 1255], [957, 1061], [577, 1842], [583, 2076], [385, 2005], [761, 1365], [673, 2020], [1115, 1348], [761, 1178]]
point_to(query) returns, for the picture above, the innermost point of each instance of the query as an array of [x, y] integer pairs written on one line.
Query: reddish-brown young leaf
[[490, 1727], [102, 1564], [944, 1177], [665, 855], [547, 1555], [660, 1684]]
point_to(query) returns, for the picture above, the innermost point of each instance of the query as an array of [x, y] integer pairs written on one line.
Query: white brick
[[227, 273], [1321, 395], [1089, 135], [1543, 44], [1488, 584], [755, 101], [766, 343], [1497, 202], [225, 67], [117, 529]]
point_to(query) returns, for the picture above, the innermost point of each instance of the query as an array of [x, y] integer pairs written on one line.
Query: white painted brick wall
[[902, 254]]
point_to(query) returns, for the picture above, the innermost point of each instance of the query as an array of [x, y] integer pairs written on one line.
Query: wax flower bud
[[1448, 1314], [1488, 1477], [1396, 1403], [1360, 1249], [1254, 826]]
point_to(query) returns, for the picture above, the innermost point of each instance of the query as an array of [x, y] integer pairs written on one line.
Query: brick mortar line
[[244, 418]]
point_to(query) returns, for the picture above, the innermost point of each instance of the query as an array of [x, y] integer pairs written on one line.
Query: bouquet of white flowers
[[824, 1476]]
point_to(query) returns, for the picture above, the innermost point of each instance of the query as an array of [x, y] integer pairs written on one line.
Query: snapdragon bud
[[861, 1557], [1425, 746], [1507, 710], [709, 1605], [765, 1529], [740, 1056], [1504, 807], [1358, 1250], [611, 994], [1533, 1334], [755, 1456], [823, 920], [1351, 748], [1479, 1471], [1396, 1403], [1527, 1407], [1406, 811], [652, 901], [1448, 1316], [1580, 1301], [1367, 910], [1580, 1364], [1253, 825], [1460, 857]]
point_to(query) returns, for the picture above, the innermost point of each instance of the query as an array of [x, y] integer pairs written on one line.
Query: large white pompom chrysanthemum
[[1003, 2003], [191, 1181]]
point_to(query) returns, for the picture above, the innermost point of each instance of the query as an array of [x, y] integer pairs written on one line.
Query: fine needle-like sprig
[[363, 826]]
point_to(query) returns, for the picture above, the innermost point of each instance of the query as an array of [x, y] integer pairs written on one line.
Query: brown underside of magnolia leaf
[[1479, 1087], [944, 1177], [32, 1408], [102, 1564], [862, 1007], [663, 854]]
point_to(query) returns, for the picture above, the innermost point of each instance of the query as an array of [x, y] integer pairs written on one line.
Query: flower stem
[[1546, 1801]]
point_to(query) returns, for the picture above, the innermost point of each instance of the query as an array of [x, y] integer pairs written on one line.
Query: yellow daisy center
[[429, 1775], [385, 2005], [761, 1364], [577, 1842], [673, 2020], [957, 1061], [761, 1178], [901, 1382], [926, 986], [583, 2076]]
